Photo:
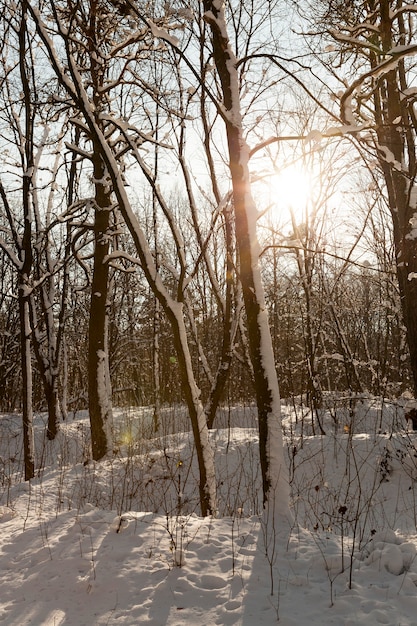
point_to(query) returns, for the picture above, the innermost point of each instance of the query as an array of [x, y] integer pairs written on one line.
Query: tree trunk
[[54, 410], [26, 359], [205, 457], [47, 363], [99, 387], [274, 473], [26, 257], [228, 331], [156, 367], [408, 292], [395, 125], [402, 202]]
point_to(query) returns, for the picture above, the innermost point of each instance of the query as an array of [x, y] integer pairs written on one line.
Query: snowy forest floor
[[121, 543]]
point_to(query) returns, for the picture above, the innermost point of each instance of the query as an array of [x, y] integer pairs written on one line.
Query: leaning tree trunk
[[229, 326], [274, 473], [71, 80], [205, 456]]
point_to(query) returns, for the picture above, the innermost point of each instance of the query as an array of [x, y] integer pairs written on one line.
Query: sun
[[291, 191]]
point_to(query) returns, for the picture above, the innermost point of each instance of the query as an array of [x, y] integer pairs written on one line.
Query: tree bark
[[99, 386], [275, 484], [26, 257], [26, 360]]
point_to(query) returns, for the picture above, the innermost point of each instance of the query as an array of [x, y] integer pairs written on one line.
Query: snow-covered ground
[[121, 542]]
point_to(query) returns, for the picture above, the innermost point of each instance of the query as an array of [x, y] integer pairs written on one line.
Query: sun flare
[[291, 190]]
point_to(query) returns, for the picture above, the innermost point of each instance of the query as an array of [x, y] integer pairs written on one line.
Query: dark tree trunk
[[399, 140], [53, 404], [26, 257], [260, 343], [26, 360], [408, 292], [99, 389]]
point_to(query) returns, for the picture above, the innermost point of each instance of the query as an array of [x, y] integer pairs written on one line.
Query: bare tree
[[371, 60], [19, 248], [34, 136], [112, 138], [274, 480], [9, 336]]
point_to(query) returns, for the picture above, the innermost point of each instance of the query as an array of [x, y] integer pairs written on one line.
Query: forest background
[[190, 189]]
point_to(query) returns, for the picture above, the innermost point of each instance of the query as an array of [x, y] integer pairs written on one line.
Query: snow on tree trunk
[[175, 314], [205, 455], [274, 472], [99, 387], [394, 154], [397, 155]]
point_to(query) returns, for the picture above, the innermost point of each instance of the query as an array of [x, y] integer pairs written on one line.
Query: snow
[[314, 136], [413, 197], [411, 91], [403, 50], [413, 231], [119, 542], [161, 33]]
